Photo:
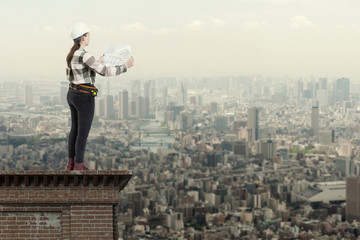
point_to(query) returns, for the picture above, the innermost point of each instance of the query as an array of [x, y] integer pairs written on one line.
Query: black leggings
[[82, 107]]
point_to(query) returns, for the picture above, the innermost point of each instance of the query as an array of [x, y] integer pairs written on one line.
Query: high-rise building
[[213, 107], [100, 107], [200, 100], [193, 100], [139, 109], [241, 148], [64, 87], [165, 95], [266, 148], [146, 108], [253, 124], [135, 89], [344, 165], [315, 121], [28, 95], [221, 123], [186, 121], [352, 199], [109, 106], [123, 104], [147, 86], [342, 90], [323, 97], [183, 95], [322, 83]]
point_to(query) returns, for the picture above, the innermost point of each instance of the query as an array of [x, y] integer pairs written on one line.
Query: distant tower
[[315, 121], [139, 107], [352, 199], [28, 96], [266, 148], [123, 104], [165, 95], [323, 83], [183, 95], [342, 90], [213, 107], [109, 106], [64, 86], [99, 107], [147, 86], [253, 124]]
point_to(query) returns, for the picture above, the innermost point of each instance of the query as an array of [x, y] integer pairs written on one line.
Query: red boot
[[81, 167], [70, 164]]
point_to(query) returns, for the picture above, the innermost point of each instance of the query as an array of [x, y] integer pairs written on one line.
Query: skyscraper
[[315, 120], [342, 90], [266, 148], [183, 95], [123, 104], [28, 95], [253, 124], [109, 106], [165, 95], [139, 109], [352, 199], [323, 83], [100, 107]]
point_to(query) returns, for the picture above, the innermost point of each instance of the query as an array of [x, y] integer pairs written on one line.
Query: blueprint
[[116, 55]]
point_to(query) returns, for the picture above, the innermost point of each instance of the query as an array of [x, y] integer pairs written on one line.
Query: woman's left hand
[[101, 58]]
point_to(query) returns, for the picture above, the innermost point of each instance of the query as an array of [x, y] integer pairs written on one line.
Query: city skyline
[[188, 38]]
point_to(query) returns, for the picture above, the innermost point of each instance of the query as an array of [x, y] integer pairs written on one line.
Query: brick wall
[[60, 204]]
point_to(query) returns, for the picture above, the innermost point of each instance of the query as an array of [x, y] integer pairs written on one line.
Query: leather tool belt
[[85, 88]]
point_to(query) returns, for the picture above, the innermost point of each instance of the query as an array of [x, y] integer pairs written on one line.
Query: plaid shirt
[[84, 67]]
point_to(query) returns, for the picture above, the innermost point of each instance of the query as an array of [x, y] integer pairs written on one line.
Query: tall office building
[[99, 107], [322, 83], [315, 121], [165, 95], [186, 121], [344, 165], [28, 95], [200, 100], [139, 108], [213, 107], [123, 104], [146, 107], [64, 87], [323, 97], [152, 93], [183, 95], [253, 124], [147, 86], [352, 199], [266, 148], [135, 89], [221, 123], [109, 106], [342, 90]]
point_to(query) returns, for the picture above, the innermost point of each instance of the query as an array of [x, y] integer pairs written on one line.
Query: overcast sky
[[188, 37]]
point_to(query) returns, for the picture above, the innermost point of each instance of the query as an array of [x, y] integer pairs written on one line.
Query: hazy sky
[[188, 37]]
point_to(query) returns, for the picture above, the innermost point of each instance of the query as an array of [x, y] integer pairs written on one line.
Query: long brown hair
[[75, 47]]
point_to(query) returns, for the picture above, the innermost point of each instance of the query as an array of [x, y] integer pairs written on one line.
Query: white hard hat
[[79, 29]]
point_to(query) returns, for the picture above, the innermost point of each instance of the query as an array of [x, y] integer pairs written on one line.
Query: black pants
[[82, 106]]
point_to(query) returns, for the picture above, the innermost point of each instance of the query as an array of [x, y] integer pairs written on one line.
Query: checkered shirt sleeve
[[84, 67]]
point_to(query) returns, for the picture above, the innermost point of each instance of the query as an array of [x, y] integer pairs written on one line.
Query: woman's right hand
[[130, 63]]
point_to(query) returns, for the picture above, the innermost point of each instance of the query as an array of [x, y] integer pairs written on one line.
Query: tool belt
[[85, 88]]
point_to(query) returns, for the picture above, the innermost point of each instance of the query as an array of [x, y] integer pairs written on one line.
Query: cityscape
[[232, 157]]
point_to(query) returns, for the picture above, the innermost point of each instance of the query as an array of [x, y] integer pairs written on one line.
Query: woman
[[81, 71]]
